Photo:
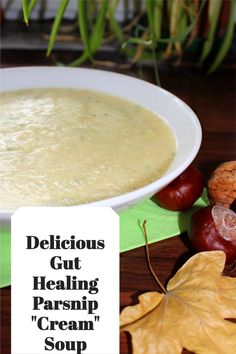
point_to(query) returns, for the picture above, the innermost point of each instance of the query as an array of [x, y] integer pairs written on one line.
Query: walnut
[[222, 184]]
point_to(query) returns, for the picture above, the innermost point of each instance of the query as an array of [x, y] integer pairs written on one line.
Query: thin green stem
[[83, 26], [114, 25], [31, 6], [227, 40], [157, 18], [155, 65], [96, 36], [56, 24], [25, 6], [213, 17]]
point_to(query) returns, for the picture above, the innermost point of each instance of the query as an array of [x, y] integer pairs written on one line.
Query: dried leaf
[[192, 314]]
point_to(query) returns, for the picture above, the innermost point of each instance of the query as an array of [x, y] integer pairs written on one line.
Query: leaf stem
[[148, 259], [155, 65]]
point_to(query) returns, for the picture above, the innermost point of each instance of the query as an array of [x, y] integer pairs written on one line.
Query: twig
[[148, 259]]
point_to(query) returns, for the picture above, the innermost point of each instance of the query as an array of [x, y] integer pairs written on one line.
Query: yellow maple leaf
[[192, 314]]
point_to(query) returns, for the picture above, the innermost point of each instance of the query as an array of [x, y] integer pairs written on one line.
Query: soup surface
[[66, 147]]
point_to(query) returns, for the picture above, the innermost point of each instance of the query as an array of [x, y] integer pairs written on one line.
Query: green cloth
[[5, 258], [161, 224]]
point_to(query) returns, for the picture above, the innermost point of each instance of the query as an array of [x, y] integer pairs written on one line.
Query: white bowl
[[172, 110]]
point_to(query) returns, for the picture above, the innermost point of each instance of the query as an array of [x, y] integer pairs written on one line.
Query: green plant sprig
[[25, 7], [56, 24], [227, 40], [161, 36], [96, 36]]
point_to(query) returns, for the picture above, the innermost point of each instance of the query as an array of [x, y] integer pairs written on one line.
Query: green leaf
[[178, 38], [183, 24], [96, 36], [98, 30], [214, 7], [115, 27], [31, 6], [174, 17], [158, 16], [227, 40], [83, 25], [150, 15], [135, 40], [25, 6], [84, 56], [56, 24]]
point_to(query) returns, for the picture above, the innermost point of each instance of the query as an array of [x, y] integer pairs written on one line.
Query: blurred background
[[186, 46], [196, 35]]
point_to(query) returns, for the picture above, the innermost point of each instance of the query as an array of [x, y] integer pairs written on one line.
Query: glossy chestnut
[[181, 193], [214, 229]]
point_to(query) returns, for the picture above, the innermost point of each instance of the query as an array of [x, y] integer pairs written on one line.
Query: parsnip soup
[[63, 147]]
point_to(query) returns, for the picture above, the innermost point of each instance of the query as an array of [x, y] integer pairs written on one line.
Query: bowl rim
[[146, 191]]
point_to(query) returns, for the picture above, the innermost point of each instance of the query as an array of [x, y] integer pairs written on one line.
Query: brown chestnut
[[221, 186], [214, 228], [181, 193]]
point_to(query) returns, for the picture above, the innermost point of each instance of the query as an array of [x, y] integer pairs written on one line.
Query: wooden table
[[213, 99]]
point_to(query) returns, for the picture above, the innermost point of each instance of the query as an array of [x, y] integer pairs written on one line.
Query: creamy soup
[[65, 147]]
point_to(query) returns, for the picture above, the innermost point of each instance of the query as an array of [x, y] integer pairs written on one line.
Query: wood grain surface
[[213, 99]]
